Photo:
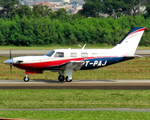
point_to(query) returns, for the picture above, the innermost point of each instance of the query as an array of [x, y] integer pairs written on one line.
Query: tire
[[68, 80], [61, 78], [26, 79]]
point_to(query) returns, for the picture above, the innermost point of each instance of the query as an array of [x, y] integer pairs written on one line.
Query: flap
[[75, 65]]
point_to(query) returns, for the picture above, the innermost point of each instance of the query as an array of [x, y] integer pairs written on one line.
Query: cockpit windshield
[[50, 53]]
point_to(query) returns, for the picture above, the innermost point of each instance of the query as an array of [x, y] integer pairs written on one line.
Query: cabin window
[[84, 55], [94, 54], [50, 53], [73, 54], [59, 54]]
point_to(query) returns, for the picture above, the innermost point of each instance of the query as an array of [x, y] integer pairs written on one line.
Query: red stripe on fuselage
[[41, 65]]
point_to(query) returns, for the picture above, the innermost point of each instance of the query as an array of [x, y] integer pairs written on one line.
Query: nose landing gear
[[26, 78], [61, 78]]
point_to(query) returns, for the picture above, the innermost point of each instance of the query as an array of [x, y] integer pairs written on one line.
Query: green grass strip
[[72, 98], [53, 46], [56, 46], [76, 115]]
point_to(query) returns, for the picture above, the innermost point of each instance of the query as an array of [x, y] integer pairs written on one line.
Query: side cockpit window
[[50, 53], [59, 54]]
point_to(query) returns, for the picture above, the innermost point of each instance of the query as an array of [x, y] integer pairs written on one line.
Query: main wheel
[[26, 79], [61, 78], [68, 80]]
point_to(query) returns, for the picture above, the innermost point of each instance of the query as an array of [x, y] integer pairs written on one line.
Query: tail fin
[[130, 42]]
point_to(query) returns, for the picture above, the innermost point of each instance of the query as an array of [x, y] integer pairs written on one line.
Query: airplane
[[61, 60]]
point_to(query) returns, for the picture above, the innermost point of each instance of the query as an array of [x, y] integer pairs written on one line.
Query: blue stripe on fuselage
[[101, 62]]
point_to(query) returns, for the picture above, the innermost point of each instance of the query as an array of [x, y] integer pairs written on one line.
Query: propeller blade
[[11, 64], [10, 58], [11, 67]]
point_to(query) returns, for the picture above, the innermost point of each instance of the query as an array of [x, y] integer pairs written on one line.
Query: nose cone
[[8, 62]]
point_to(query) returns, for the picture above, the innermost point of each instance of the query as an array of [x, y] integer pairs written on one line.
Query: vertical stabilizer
[[130, 42]]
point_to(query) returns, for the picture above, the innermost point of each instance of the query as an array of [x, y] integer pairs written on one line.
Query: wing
[[75, 65]]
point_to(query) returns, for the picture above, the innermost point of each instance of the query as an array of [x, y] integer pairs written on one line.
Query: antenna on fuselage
[[84, 46]]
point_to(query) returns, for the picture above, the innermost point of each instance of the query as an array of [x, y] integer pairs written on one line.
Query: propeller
[[11, 63]]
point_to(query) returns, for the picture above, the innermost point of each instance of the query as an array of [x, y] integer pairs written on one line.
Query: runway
[[43, 52], [76, 84]]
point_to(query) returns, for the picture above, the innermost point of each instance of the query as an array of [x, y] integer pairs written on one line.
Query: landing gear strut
[[26, 78], [69, 70], [68, 77], [61, 76]]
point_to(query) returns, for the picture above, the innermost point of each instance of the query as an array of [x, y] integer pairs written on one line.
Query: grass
[[76, 115], [138, 68], [74, 99], [51, 47]]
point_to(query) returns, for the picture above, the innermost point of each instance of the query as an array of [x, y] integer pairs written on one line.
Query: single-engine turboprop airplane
[[59, 60]]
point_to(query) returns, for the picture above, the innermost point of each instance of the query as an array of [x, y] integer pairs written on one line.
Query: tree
[[41, 10], [61, 14], [92, 8], [21, 10], [144, 2], [117, 7], [147, 14], [8, 6], [35, 11]]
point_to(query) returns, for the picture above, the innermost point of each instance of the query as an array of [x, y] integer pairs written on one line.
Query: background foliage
[[93, 8], [23, 26], [24, 31]]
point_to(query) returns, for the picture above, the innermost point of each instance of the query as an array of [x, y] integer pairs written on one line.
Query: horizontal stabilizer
[[134, 56]]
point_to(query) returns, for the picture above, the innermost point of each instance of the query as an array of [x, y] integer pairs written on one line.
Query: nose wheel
[[61, 78], [26, 78]]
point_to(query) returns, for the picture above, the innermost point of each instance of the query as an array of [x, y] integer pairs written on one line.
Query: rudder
[[128, 45]]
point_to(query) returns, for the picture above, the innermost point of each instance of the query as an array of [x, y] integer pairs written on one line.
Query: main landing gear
[[61, 78], [68, 77]]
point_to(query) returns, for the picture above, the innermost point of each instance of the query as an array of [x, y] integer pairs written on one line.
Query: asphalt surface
[[43, 52], [76, 84]]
